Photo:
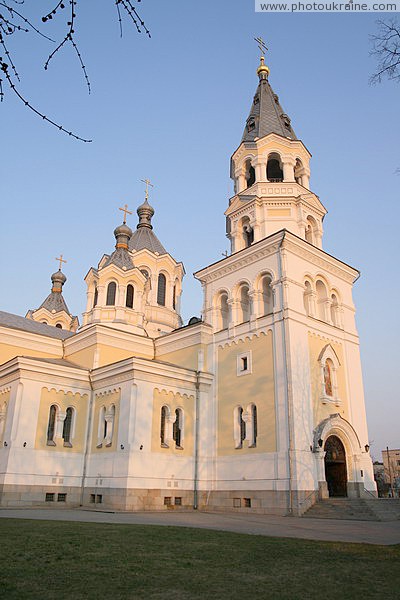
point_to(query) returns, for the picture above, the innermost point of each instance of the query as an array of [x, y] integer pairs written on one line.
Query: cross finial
[[61, 261], [148, 183], [261, 45], [125, 211]]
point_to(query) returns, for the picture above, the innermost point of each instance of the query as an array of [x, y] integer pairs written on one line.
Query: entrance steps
[[359, 509]]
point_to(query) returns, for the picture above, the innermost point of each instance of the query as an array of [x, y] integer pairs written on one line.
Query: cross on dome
[[61, 261], [148, 183], [261, 45], [125, 211]]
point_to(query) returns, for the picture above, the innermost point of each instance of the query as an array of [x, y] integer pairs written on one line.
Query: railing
[[275, 180]]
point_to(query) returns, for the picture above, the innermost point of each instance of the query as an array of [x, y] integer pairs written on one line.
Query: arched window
[[311, 230], [244, 308], [329, 365], [177, 428], [111, 292], [307, 298], [298, 171], [161, 289], [163, 426], [174, 297], [51, 427], [267, 296], [274, 168], [335, 311], [250, 174], [223, 312], [109, 425], [95, 296], [248, 232], [145, 273], [321, 300], [129, 296], [67, 426], [239, 427], [59, 325], [252, 410], [102, 428]]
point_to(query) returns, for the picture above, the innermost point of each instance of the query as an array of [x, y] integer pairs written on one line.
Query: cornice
[[45, 372], [232, 263], [101, 334], [30, 341], [199, 334]]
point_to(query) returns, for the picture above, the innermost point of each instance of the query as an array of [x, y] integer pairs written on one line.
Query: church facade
[[257, 406]]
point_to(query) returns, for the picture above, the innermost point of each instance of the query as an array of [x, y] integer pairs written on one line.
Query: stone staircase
[[359, 509]]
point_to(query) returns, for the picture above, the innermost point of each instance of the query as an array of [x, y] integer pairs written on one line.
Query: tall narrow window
[[51, 428], [174, 298], [109, 425], [177, 428], [267, 296], [253, 415], [162, 284], [111, 292], [163, 423], [67, 427], [129, 296], [328, 378], [242, 426], [95, 296]]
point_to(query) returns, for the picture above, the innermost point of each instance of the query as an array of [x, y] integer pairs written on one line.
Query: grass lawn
[[58, 560]]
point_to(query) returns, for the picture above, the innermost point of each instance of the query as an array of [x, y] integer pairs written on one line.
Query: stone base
[[121, 499]]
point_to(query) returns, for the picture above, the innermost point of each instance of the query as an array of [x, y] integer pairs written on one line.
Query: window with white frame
[[252, 425], [239, 427], [243, 363], [67, 427], [164, 418], [177, 428]]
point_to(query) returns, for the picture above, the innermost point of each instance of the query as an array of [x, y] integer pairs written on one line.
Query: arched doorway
[[335, 467]]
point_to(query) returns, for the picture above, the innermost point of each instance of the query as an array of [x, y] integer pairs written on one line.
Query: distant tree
[[386, 48], [13, 21]]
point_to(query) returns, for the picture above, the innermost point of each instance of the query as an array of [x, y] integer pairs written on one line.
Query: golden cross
[[261, 44], [60, 258], [148, 183], [125, 211]]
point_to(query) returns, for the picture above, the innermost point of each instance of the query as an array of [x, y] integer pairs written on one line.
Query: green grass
[[58, 560]]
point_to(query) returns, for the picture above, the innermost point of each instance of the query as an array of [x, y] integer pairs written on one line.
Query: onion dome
[[263, 70], [145, 213], [58, 279], [123, 234]]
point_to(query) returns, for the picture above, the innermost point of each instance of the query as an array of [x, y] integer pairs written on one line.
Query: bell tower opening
[[335, 467], [250, 174], [274, 168]]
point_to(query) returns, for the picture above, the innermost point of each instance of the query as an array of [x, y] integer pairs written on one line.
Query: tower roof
[[144, 237], [266, 114], [55, 301]]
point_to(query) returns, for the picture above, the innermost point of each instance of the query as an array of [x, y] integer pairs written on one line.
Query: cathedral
[[257, 406]]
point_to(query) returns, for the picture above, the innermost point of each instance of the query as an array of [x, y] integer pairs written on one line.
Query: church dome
[[145, 213]]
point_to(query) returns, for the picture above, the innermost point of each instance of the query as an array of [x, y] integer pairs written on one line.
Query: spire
[[266, 114], [123, 233], [54, 310], [144, 237]]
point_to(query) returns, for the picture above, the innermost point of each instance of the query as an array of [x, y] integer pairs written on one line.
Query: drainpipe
[[196, 443], [89, 426], [286, 376]]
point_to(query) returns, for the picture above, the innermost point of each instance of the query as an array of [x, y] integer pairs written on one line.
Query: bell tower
[[271, 174]]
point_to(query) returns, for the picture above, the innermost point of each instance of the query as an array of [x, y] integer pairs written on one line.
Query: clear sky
[[173, 108]]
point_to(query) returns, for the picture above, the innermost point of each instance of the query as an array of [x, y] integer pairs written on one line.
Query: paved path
[[371, 532]]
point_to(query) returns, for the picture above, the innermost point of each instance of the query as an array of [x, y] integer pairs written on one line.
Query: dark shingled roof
[[16, 322], [56, 302], [144, 237], [266, 116], [120, 258]]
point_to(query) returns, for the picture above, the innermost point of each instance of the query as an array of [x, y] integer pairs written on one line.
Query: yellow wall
[[322, 411], [7, 352], [63, 400], [256, 387], [173, 401], [187, 357], [105, 400], [106, 355]]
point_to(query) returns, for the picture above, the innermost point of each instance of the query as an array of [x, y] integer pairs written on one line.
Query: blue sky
[[173, 109]]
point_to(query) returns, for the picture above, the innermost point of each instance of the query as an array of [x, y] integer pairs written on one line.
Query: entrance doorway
[[335, 467]]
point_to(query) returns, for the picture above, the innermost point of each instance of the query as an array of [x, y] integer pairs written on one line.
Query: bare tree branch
[[386, 47], [13, 22]]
